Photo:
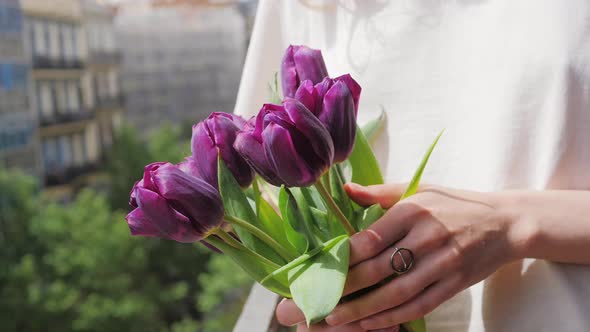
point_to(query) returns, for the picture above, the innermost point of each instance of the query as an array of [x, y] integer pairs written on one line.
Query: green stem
[[230, 240], [282, 251], [334, 208]]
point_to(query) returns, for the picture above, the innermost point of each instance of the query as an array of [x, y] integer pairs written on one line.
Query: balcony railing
[[44, 62], [54, 177], [110, 101], [105, 57], [65, 117], [258, 312]]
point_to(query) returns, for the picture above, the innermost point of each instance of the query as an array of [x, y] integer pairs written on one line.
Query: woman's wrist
[[522, 227]]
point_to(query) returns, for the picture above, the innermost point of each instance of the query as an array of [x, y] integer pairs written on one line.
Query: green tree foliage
[[224, 290], [75, 267], [17, 204], [83, 272]]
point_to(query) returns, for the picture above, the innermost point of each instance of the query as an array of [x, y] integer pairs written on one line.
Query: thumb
[[385, 195]]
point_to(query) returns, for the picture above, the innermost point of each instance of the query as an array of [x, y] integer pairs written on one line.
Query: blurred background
[[90, 92]]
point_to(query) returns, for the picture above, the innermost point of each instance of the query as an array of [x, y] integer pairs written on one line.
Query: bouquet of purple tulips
[[268, 192]]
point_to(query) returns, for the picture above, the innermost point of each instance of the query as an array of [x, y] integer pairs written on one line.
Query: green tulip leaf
[[256, 268], [302, 259], [319, 215], [299, 216], [318, 283], [413, 186], [270, 221], [371, 128], [313, 197], [371, 214], [236, 204], [364, 166], [322, 224], [293, 221]]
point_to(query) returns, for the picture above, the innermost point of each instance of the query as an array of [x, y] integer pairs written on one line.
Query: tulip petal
[[301, 63], [309, 64], [171, 224], [339, 116], [132, 198], [224, 130], [307, 95], [354, 87], [189, 167], [147, 175], [317, 137], [289, 80], [280, 150], [191, 196], [252, 151], [205, 152], [139, 224], [213, 137]]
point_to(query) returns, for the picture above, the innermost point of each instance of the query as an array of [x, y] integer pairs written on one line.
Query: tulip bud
[[301, 63], [288, 145], [172, 204], [335, 103], [215, 136]]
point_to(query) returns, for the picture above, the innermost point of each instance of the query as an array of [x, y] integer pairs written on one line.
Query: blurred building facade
[[102, 76], [63, 93], [181, 59], [19, 146]]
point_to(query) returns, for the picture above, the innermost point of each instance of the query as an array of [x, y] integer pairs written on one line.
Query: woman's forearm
[[552, 225]]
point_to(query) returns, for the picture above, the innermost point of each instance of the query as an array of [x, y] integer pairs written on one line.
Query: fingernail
[[368, 324], [332, 320], [355, 186]]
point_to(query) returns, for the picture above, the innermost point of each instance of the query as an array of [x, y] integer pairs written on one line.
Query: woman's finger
[[426, 272], [424, 238], [418, 307], [391, 228], [288, 313], [383, 194], [323, 327]]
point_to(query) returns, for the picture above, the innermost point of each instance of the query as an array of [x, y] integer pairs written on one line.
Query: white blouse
[[510, 82]]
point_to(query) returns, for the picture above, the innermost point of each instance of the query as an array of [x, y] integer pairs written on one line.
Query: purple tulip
[[286, 145], [335, 103], [172, 204], [249, 145], [301, 63], [215, 136]]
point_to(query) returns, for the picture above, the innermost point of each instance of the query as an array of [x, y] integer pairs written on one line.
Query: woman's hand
[[458, 238]]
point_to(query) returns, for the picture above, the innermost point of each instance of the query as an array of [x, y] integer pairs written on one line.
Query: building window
[[45, 99], [53, 37], [73, 101], [41, 38], [59, 88], [61, 30], [65, 145], [51, 156], [78, 149], [10, 18]]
